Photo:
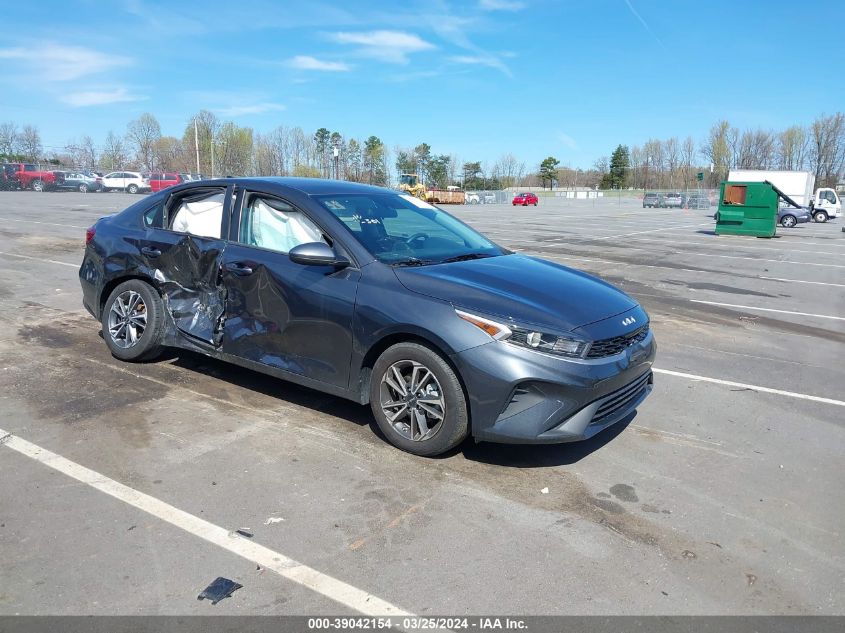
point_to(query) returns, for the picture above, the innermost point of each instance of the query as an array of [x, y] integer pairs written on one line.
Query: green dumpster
[[747, 208]]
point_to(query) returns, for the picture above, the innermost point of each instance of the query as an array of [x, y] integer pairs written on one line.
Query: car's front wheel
[[788, 221], [418, 401], [132, 188], [820, 216], [38, 185], [133, 321], [83, 188]]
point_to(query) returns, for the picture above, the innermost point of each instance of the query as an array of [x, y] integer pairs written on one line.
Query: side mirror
[[316, 254]]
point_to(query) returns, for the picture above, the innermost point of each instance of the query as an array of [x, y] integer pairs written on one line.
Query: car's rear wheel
[[788, 221], [133, 321], [820, 216], [418, 401], [83, 188], [38, 185], [132, 188]]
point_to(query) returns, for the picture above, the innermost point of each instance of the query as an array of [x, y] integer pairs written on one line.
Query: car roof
[[308, 186]]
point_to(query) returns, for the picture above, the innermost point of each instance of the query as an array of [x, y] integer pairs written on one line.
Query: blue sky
[[568, 78]]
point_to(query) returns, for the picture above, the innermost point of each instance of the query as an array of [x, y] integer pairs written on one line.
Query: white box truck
[[824, 204]]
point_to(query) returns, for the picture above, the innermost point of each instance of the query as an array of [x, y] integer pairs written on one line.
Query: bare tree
[[687, 156], [142, 134], [169, 155], [792, 145], [672, 158], [8, 138], [827, 150], [114, 154], [717, 149], [29, 143], [198, 138]]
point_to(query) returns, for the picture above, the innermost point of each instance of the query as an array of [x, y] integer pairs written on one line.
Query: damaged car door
[[183, 256], [293, 317]]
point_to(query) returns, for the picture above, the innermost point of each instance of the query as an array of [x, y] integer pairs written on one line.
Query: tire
[[788, 221], [133, 188], [820, 216], [83, 188], [535, 204], [443, 386], [37, 185], [147, 343]]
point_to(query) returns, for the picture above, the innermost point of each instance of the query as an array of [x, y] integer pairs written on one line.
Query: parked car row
[[674, 200], [15, 176]]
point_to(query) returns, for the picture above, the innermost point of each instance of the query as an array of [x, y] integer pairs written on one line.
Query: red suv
[[164, 180], [525, 199]]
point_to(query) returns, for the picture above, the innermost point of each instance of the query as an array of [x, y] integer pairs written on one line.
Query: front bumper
[[519, 396]]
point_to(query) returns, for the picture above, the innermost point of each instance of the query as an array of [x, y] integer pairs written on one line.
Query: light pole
[[335, 153]]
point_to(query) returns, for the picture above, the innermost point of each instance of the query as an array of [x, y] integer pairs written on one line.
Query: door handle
[[149, 251], [237, 268]]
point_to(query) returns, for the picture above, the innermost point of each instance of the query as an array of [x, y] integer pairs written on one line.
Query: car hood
[[525, 289]]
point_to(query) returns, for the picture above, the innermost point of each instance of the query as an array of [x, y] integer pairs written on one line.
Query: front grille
[[611, 346], [620, 399]]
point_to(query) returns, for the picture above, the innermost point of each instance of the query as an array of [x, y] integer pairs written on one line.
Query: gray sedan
[[373, 296]]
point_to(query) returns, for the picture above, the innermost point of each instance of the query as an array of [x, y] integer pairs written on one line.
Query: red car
[[164, 180], [525, 199]]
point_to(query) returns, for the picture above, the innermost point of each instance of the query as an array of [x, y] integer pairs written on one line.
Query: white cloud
[[98, 97], [249, 108], [306, 62], [485, 59], [567, 140], [388, 46], [500, 5], [57, 62]]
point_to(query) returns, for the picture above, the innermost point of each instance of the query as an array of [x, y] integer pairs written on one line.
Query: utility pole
[[212, 153], [197, 145], [336, 152]]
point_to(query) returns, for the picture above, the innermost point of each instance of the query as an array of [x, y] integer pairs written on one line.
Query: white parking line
[[288, 568], [688, 270], [70, 226], [725, 244], [733, 305], [669, 228], [39, 259], [804, 281], [742, 385]]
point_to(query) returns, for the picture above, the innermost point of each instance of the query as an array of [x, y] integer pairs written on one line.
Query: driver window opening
[[277, 226]]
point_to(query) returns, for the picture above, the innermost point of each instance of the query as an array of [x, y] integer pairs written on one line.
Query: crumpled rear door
[[186, 268]]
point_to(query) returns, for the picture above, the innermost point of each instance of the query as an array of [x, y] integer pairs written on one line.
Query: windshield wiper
[[466, 257], [412, 261]]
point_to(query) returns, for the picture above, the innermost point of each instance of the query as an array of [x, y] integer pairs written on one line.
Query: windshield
[[401, 229]]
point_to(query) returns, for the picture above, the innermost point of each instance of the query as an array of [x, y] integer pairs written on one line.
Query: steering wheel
[[417, 236]]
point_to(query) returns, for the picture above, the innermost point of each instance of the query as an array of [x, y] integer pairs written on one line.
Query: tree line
[[216, 147], [211, 146], [674, 163]]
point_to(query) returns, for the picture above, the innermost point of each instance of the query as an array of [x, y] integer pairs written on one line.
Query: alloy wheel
[[127, 319], [412, 400]]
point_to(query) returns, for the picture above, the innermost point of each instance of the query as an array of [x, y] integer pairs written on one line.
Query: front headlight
[[528, 338], [548, 343]]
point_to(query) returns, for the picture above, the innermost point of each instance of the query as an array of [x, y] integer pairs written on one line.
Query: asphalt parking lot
[[722, 496]]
